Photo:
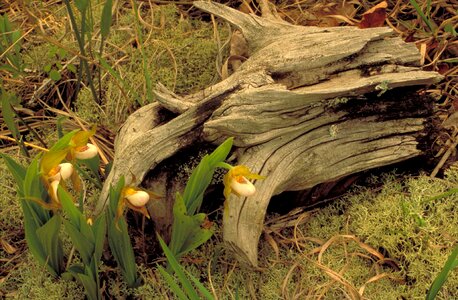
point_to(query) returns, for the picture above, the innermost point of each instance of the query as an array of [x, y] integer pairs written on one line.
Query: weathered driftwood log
[[303, 109]]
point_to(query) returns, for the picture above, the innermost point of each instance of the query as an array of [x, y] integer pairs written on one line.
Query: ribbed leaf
[[93, 165], [202, 176], [220, 153], [204, 291], [90, 286], [33, 189], [187, 233], [84, 247], [121, 248], [185, 283], [33, 242], [174, 287], [119, 240], [99, 229], [48, 235], [69, 207], [82, 5]]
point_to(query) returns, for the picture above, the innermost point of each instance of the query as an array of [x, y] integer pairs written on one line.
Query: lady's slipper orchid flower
[[62, 171], [80, 148], [135, 199], [85, 152], [236, 182]]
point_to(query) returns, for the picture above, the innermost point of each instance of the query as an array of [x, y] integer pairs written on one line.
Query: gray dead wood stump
[[303, 109]]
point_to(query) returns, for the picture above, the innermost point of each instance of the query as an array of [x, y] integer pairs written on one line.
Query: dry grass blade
[[354, 294], [270, 240], [338, 237]]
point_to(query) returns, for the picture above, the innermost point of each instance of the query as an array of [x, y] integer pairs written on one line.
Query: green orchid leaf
[[90, 286], [33, 242], [196, 234], [187, 233], [8, 117], [69, 207], [450, 264], [115, 194], [64, 141], [76, 269], [173, 262], [93, 165], [86, 230], [84, 247], [121, 248], [119, 240], [48, 235], [202, 176], [105, 22], [33, 188], [174, 287], [82, 5], [99, 229], [17, 170], [201, 288], [221, 153]]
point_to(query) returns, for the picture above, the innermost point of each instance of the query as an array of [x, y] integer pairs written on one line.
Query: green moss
[[181, 56], [10, 212], [30, 281]]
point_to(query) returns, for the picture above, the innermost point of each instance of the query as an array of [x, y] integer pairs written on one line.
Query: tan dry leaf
[[374, 17], [7, 247]]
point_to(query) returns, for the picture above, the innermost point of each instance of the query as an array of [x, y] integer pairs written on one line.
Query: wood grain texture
[[309, 105]]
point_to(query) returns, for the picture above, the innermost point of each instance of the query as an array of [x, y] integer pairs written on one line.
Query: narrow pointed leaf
[[202, 176], [99, 228], [105, 22], [174, 287], [17, 170], [186, 284], [69, 207], [442, 276], [84, 247], [201, 287]]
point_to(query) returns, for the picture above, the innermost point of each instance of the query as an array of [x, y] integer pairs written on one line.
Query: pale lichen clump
[[10, 212], [384, 220], [412, 228], [29, 281]]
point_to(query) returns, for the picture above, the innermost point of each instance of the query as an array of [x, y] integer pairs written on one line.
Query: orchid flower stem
[[70, 257], [224, 165]]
